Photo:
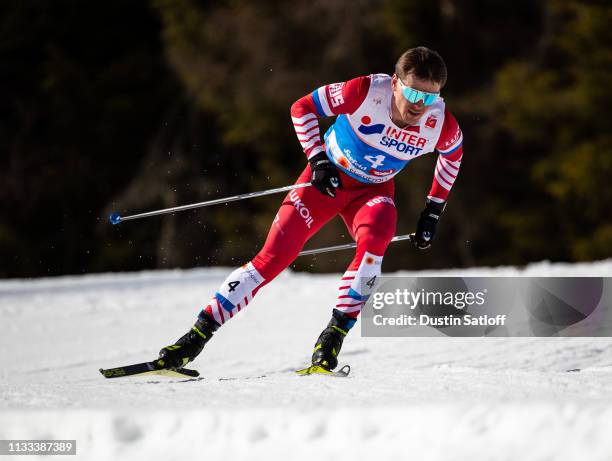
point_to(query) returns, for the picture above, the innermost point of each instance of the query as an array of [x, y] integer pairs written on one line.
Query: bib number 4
[[376, 161]]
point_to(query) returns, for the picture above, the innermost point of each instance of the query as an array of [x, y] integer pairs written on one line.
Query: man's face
[[404, 110]]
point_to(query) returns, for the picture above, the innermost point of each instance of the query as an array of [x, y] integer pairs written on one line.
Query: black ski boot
[[329, 343], [190, 344]]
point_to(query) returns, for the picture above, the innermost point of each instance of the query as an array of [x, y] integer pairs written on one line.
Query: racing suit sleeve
[[326, 101], [450, 153]]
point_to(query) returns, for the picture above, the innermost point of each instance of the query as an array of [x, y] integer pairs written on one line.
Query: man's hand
[[325, 175], [426, 227]]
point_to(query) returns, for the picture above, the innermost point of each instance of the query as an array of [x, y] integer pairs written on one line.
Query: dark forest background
[[136, 105]]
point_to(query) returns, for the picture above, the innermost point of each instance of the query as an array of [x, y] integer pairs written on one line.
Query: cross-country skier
[[383, 123]]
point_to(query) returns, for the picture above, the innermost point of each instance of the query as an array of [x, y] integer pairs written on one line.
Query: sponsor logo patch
[[382, 172], [447, 145], [366, 128], [335, 94], [380, 199], [301, 208], [400, 140]]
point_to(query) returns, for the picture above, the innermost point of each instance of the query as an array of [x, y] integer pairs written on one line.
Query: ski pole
[[116, 218], [348, 246]]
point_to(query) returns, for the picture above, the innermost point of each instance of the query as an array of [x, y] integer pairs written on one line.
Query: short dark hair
[[423, 63]]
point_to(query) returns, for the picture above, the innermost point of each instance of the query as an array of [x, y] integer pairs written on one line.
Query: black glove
[[426, 227], [325, 175]]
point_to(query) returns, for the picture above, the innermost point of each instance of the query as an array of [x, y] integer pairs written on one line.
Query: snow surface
[[406, 398]]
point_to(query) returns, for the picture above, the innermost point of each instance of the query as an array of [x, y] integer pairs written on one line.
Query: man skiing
[[383, 123]]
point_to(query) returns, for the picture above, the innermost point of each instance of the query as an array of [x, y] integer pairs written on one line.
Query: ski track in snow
[[422, 398]]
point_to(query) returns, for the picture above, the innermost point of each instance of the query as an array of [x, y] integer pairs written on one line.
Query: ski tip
[[346, 369]]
